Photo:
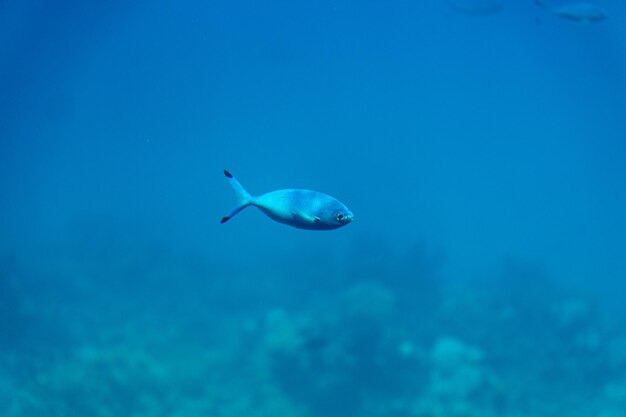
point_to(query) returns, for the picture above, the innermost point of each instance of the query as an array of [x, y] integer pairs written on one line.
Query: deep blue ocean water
[[483, 155]]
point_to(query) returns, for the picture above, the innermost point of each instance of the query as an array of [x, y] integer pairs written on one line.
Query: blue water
[[484, 158]]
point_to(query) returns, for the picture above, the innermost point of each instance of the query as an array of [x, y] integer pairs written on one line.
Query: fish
[[578, 12], [304, 209]]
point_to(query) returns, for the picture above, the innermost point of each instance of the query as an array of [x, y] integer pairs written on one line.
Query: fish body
[[304, 209], [578, 12]]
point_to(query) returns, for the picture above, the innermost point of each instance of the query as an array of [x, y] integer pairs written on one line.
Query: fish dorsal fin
[[304, 217]]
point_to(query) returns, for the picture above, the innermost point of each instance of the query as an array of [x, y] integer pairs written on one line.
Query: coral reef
[[459, 384], [478, 350], [335, 360]]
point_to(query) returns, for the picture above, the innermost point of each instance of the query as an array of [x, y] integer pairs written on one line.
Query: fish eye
[[340, 216]]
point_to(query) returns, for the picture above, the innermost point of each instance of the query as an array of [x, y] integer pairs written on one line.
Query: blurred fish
[[304, 209], [475, 7], [578, 12]]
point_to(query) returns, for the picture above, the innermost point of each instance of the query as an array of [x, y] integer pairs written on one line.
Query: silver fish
[[304, 209], [579, 12]]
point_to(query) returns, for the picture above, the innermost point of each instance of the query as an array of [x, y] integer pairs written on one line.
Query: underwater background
[[481, 145]]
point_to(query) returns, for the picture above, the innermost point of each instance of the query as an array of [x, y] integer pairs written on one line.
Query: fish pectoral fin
[[304, 217]]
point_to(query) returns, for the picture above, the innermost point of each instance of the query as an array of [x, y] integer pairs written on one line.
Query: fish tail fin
[[244, 199]]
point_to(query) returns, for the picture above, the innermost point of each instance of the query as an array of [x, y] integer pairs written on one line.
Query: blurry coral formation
[[11, 309], [333, 361], [459, 384], [207, 343]]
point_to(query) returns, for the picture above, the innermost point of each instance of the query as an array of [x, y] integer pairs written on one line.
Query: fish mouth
[[349, 218]]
